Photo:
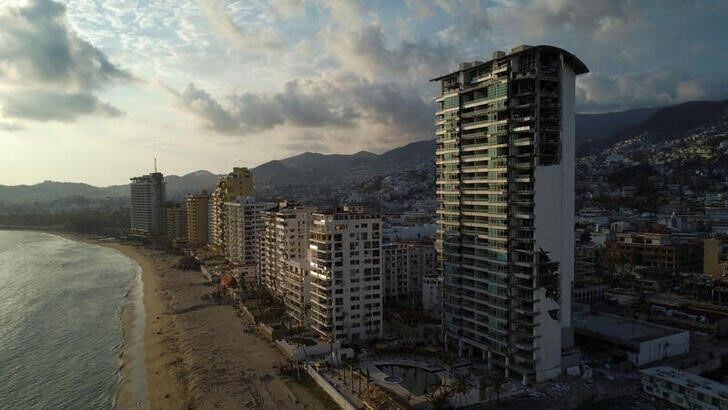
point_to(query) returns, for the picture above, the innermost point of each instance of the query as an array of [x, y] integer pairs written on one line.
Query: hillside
[[311, 175], [664, 123], [338, 169]]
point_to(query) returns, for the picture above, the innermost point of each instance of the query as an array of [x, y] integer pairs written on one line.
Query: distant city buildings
[[659, 251], [147, 205], [346, 276], [715, 256], [505, 184]]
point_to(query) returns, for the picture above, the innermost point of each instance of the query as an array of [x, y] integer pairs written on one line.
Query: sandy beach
[[196, 352]]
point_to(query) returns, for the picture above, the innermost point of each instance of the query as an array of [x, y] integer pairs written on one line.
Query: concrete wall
[[554, 233], [661, 348], [329, 389], [568, 169]]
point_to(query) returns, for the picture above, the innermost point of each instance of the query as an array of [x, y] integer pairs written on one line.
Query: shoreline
[[197, 353], [151, 376]]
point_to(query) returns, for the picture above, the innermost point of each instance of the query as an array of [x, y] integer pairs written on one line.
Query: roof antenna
[[155, 164]]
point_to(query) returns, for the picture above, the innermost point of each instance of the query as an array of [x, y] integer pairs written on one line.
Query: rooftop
[[619, 329], [576, 64]]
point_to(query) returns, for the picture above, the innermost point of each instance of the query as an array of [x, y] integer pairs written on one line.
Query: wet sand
[[196, 352]]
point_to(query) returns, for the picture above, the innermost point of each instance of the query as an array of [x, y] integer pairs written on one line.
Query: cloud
[[340, 101], [300, 104], [307, 142], [44, 62], [10, 126], [604, 92], [249, 39], [287, 9], [365, 50], [49, 106], [421, 8]]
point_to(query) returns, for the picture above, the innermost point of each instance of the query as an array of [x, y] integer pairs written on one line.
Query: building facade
[[432, 295], [684, 390], [346, 276], [405, 264], [176, 215], [661, 252], [283, 261], [197, 213], [715, 256], [505, 185], [238, 183], [243, 226], [147, 205]]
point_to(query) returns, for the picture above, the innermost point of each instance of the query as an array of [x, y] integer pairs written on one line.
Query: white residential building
[[243, 225], [684, 390], [284, 238], [346, 275]]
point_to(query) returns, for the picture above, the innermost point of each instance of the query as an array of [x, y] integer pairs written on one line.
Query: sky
[[92, 90]]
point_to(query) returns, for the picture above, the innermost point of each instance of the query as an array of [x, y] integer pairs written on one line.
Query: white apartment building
[[404, 265], [243, 226], [505, 163], [684, 390], [346, 275], [296, 286], [147, 205], [283, 260], [285, 237]]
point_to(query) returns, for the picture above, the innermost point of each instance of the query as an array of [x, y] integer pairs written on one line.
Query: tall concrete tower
[[505, 185]]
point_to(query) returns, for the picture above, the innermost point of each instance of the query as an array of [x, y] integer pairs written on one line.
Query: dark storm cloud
[[49, 106], [340, 101], [49, 64], [299, 104]]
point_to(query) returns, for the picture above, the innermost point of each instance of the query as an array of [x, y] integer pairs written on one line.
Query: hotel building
[[346, 275], [243, 225], [176, 215], [197, 221], [235, 184], [283, 260], [505, 186], [147, 205]]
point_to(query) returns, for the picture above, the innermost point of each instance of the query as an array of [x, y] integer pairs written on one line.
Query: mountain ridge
[[595, 132]]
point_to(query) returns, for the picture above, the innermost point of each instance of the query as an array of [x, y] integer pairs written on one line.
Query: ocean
[[60, 328]]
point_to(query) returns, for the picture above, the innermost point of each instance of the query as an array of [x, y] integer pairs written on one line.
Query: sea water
[[60, 329]]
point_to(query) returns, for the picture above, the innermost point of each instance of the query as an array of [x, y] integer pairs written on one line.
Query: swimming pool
[[417, 380]]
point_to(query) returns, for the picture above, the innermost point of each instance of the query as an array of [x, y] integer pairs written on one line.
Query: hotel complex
[[147, 205], [505, 186]]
